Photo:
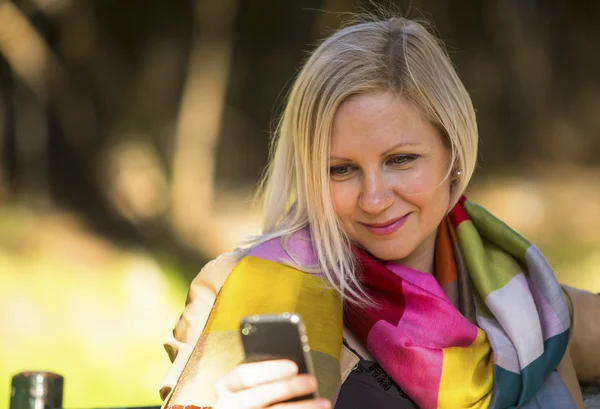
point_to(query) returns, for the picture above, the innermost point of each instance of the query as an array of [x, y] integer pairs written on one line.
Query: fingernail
[[325, 404], [310, 382], [287, 368]]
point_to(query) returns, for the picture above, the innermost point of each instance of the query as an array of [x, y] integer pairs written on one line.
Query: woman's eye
[[339, 170], [402, 159]]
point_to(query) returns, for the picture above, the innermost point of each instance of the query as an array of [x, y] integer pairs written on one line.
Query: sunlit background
[[132, 134]]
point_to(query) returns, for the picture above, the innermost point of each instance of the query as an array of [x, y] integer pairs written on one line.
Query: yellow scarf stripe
[[467, 375], [258, 286]]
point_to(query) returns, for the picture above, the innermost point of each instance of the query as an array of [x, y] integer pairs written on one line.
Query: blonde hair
[[396, 55]]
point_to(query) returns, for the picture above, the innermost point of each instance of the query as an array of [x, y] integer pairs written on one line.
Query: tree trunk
[[193, 186]]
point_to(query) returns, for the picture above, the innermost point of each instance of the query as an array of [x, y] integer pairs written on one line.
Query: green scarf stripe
[[482, 256], [497, 231], [554, 349], [507, 387], [481, 309]]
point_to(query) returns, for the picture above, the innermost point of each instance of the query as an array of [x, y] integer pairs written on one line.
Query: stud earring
[[454, 180]]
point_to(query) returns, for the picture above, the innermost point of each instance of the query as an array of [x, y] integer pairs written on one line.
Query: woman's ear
[[455, 177]]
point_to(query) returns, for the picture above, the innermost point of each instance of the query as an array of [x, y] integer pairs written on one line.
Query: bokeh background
[[132, 133]]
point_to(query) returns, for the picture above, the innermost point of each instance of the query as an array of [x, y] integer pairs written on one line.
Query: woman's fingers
[[245, 376], [267, 394], [305, 404], [263, 384]]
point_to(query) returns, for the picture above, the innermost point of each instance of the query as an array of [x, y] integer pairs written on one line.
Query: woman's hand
[[264, 385]]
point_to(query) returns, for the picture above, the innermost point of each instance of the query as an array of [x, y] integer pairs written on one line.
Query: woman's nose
[[376, 195]]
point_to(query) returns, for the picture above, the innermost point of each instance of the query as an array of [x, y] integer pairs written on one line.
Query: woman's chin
[[388, 254]]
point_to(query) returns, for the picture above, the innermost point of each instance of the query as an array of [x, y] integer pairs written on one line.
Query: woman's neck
[[423, 257]]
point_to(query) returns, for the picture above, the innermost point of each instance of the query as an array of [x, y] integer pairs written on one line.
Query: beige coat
[[582, 358]]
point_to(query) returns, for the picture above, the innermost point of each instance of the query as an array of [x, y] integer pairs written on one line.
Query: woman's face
[[387, 177]]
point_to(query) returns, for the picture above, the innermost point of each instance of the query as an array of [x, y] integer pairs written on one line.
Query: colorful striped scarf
[[487, 332]]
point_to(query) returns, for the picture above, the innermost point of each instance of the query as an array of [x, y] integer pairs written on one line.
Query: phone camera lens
[[248, 329]]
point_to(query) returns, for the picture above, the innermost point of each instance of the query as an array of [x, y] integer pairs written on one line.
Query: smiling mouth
[[388, 227]]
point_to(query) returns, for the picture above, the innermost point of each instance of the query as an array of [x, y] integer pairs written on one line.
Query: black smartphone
[[280, 336]]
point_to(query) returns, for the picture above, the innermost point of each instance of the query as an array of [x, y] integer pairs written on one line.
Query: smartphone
[[280, 336]]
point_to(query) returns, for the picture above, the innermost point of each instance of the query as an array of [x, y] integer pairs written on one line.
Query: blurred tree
[[152, 119], [200, 113]]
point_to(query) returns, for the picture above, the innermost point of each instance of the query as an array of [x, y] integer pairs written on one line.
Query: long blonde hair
[[396, 55]]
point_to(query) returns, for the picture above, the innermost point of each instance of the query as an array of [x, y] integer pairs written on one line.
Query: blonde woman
[[413, 296]]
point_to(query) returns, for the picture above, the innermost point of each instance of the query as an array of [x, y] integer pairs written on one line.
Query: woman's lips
[[389, 227]]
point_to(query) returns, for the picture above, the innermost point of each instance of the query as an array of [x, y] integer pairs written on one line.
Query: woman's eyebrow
[[386, 152], [398, 145], [339, 158]]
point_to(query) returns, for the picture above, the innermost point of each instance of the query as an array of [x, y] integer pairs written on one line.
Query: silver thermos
[[36, 390]]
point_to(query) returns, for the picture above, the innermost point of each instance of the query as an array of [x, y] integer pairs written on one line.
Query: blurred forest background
[[132, 133]]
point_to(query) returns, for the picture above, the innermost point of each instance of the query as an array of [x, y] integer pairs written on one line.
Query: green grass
[[101, 330]]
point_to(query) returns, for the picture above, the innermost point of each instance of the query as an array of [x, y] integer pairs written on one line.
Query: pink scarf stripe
[[412, 351]]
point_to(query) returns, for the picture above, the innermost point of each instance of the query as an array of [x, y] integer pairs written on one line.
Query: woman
[[412, 295]]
